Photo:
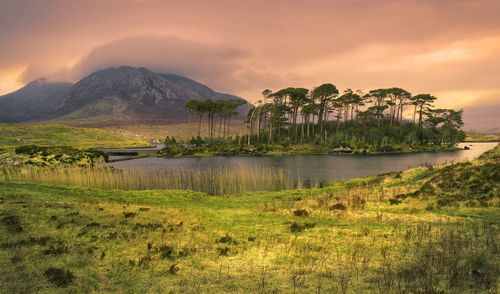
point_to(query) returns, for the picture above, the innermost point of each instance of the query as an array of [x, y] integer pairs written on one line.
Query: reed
[[218, 180]]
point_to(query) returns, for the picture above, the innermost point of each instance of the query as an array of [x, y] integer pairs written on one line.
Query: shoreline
[[278, 154], [287, 154]]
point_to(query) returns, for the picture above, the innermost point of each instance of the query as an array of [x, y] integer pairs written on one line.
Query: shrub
[[59, 277], [301, 212], [338, 206], [358, 202], [297, 228], [227, 239], [456, 261], [173, 269], [445, 202], [129, 214], [145, 260], [12, 223], [16, 257], [59, 155], [224, 251], [166, 251]]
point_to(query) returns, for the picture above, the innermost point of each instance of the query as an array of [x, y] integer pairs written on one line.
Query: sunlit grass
[[348, 237], [215, 181], [185, 242], [12, 135]]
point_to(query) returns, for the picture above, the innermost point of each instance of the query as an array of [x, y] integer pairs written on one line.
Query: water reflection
[[314, 170]]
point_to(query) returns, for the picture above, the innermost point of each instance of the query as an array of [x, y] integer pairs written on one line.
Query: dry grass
[[183, 242], [346, 238], [214, 181]]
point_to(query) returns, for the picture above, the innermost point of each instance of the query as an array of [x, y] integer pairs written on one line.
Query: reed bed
[[214, 181]]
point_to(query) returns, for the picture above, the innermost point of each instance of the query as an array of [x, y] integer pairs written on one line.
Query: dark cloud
[[448, 47], [165, 54], [224, 67]]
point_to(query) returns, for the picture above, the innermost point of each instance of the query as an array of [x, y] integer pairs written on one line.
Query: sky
[[449, 48]]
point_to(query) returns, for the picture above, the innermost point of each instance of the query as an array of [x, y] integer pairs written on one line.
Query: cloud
[[222, 66], [446, 47], [165, 54]]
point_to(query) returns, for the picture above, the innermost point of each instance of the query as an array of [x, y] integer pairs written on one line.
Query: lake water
[[315, 168]]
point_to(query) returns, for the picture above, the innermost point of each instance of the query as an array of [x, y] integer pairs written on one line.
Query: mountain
[[36, 101], [482, 119], [116, 95]]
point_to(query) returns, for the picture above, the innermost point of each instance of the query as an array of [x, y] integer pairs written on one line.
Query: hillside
[[475, 183], [36, 101], [122, 95], [349, 237], [482, 137], [12, 135]]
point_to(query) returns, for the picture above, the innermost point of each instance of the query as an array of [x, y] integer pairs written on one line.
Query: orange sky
[[450, 48]]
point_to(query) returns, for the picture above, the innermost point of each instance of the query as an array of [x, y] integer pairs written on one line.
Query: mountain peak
[[123, 94]]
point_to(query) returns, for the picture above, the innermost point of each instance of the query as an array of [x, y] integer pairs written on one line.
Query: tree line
[[218, 114], [324, 115]]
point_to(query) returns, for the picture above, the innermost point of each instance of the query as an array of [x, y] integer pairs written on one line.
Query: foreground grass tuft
[[59, 277], [344, 238]]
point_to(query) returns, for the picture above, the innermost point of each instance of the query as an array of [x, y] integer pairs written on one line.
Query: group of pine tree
[[381, 118]]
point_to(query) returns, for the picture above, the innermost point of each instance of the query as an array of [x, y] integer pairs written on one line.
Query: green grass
[[12, 135], [300, 241], [478, 137]]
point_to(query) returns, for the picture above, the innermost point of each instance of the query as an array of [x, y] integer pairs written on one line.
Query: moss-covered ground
[[384, 234]]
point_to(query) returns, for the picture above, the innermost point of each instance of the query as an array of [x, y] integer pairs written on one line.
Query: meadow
[[12, 135], [479, 137], [184, 131], [426, 230]]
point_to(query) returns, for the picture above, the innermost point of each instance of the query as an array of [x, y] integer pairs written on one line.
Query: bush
[[227, 239], [12, 224], [224, 251], [455, 261], [301, 212], [59, 277], [338, 206], [297, 228], [166, 251], [173, 269], [61, 155]]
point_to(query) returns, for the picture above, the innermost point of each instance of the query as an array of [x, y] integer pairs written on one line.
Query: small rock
[[342, 149]]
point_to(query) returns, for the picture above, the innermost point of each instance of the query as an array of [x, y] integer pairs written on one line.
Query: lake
[[314, 168]]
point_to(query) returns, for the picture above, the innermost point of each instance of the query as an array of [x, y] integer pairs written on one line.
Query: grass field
[[385, 234], [56, 134], [182, 131], [478, 137]]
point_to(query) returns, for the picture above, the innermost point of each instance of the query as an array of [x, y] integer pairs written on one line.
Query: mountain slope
[[197, 87], [37, 100], [129, 94], [116, 95]]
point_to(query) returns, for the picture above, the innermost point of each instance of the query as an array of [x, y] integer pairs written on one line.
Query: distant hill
[[114, 95], [36, 101], [482, 119]]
